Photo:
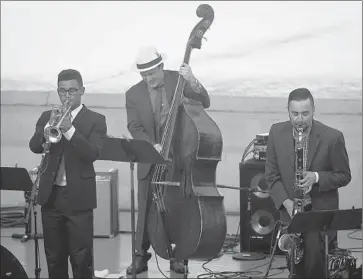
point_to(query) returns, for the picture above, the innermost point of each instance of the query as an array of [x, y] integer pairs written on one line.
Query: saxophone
[[293, 243]]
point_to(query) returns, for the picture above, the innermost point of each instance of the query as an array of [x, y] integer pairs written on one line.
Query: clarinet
[[299, 174]]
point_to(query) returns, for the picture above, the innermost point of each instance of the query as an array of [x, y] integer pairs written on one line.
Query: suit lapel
[[145, 103], [314, 140], [78, 119], [289, 144]]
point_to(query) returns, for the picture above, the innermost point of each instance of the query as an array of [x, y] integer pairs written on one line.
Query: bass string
[[170, 122], [157, 189], [166, 138], [160, 169]]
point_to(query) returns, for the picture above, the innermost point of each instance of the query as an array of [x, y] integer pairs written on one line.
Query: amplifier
[[106, 214], [106, 222], [260, 147]]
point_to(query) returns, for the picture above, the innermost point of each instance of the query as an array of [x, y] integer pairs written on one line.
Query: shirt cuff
[[69, 133], [316, 177]]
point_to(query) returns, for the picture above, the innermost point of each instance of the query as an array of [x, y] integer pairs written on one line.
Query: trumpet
[[53, 133]]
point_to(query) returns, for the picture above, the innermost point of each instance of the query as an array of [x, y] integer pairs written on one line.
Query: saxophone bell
[[286, 242]]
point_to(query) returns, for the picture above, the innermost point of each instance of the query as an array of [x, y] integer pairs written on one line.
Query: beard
[[305, 125]]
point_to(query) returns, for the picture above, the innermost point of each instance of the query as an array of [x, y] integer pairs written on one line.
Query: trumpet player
[[67, 187], [326, 169]]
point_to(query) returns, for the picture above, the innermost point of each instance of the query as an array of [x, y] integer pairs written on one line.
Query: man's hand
[[66, 124], [125, 136], [158, 147], [55, 114], [307, 182], [289, 205], [186, 72]]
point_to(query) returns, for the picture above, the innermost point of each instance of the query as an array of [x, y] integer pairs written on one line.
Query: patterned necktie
[[164, 107], [157, 116]]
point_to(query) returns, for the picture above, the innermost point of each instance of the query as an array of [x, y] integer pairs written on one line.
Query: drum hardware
[[341, 264]]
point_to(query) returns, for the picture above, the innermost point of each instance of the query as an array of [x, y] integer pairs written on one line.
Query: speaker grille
[[262, 222], [257, 211]]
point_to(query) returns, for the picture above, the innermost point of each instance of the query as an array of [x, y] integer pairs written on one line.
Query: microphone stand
[[243, 189], [30, 209], [273, 251]]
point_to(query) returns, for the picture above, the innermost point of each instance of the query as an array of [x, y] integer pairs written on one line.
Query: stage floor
[[115, 255]]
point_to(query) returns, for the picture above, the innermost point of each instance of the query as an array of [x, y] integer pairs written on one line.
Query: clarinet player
[[325, 170], [67, 187]]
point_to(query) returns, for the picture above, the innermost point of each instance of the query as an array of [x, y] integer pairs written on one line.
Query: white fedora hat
[[149, 58]]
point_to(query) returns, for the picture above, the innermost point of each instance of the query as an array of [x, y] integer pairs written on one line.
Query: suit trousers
[[67, 234], [313, 263], [144, 198]]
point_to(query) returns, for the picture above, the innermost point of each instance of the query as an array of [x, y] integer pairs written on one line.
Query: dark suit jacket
[[327, 156], [140, 120], [79, 154]]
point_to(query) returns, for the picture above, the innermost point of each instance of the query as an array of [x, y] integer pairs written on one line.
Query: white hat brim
[[135, 69]]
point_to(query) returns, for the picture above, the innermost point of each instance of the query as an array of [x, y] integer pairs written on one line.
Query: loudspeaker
[[106, 222], [258, 214]]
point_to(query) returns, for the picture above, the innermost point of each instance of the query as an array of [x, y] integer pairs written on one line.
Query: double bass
[[187, 215]]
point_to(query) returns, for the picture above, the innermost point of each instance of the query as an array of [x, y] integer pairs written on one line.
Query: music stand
[[324, 221], [17, 179], [132, 151]]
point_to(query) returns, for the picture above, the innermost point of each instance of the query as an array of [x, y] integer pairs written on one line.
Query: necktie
[[164, 107], [60, 178], [157, 116]]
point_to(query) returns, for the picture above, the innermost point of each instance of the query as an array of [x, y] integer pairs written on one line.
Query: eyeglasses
[[71, 91]]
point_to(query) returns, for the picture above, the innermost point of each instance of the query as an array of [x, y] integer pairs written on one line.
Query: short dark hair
[[70, 74], [300, 94]]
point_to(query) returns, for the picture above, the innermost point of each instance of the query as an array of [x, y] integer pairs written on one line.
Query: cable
[[230, 245], [355, 238], [351, 249], [248, 273], [8, 214], [243, 274], [9, 222], [246, 152]]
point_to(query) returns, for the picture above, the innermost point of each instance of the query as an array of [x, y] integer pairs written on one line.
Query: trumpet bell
[[52, 134]]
